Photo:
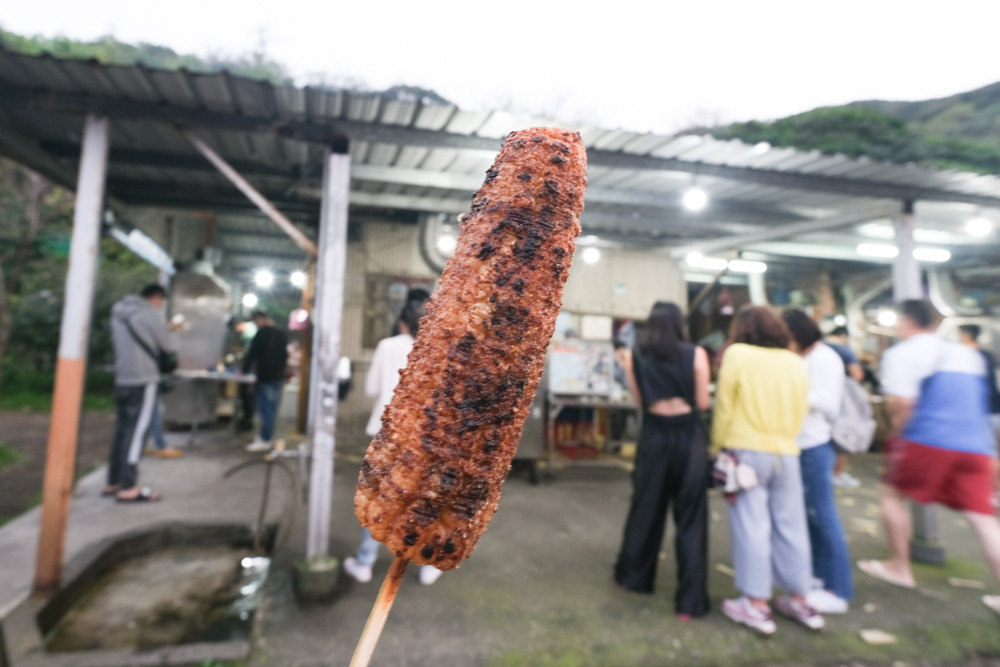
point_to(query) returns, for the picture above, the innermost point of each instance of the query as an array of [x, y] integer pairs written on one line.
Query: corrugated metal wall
[[623, 283], [385, 248]]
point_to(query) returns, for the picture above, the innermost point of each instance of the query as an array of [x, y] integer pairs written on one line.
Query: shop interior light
[[931, 254], [263, 278], [699, 261], [298, 279], [747, 266], [695, 199], [446, 244], [978, 227], [249, 300], [877, 250], [591, 255], [839, 320], [887, 318]]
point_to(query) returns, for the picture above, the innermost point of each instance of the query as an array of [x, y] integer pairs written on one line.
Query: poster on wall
[[581, 368]]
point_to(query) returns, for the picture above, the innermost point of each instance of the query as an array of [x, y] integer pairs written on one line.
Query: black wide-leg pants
[[671, 468]]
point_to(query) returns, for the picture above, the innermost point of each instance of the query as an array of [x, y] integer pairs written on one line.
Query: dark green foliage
[[959, 132], [848, 130], [108, 50]]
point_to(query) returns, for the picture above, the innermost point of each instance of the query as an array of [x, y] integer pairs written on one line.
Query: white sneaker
[[846, 481], [826, 602], [259, 445], [429, 574], [742, 611], [797, 611], [360, 573]]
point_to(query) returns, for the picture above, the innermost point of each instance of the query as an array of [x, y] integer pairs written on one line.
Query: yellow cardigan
[[760, 401]]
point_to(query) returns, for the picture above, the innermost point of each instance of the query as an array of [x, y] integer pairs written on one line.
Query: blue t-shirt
[[845, 353], [949, 382]]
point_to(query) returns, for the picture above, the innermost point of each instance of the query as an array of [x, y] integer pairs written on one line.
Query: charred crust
[[491, 173], [449, 546], [427, 551], [410, 539], [486, 251], [558, 160], [517, 286], [524, 176]]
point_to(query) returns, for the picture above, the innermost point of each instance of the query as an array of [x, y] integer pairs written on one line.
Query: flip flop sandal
[[107, 492], [993, 602], [146, 495], [876, 570]]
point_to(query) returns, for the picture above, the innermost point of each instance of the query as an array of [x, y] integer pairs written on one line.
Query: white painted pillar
[[907, 283], [74, 337], [906, 280], [326, 348]]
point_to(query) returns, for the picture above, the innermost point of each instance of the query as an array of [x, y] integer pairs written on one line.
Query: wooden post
[[74, 336], [326, 346]]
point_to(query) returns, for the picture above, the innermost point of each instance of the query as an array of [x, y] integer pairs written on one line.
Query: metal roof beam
[[470, 183], [166, 160], [784, 231], [335, 129], [645, 221]]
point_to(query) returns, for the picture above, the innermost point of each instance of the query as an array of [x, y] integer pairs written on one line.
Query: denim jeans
[[268, 397], [831, 561]]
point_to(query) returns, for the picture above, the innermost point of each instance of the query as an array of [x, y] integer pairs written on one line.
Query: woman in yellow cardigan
[[760, 404]]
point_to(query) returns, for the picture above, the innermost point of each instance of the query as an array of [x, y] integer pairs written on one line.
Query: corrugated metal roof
[[285, 166]]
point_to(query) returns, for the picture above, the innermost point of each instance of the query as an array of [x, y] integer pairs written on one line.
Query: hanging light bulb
[[695, 199], [979, 227], [591, 255], [263, 278]]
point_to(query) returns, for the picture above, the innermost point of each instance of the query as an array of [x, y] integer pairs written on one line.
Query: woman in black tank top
[[668, 377]]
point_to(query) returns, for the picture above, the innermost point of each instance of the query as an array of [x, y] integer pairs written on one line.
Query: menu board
[[581, 368]]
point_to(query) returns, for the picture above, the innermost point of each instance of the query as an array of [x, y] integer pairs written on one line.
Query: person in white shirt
[[831, 561], [383, 375]]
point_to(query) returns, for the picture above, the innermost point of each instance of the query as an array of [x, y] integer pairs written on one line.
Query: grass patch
[[9, 456], [31, 391]]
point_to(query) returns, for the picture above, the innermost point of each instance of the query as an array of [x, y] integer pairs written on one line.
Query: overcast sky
[[622, 63]]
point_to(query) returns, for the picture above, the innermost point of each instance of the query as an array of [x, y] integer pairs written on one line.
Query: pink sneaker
[[742, 611], [798, 611]]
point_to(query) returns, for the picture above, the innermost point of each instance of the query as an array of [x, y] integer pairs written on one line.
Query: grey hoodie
[[133, 365]]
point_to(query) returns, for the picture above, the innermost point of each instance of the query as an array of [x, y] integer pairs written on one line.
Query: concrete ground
[[538, 589]]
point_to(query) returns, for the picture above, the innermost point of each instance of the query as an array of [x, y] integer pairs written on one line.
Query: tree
[[28, 204]]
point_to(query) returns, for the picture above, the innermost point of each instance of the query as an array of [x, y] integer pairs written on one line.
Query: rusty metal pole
[[252, 194], [305, 364], [74, 335], [326, 347]]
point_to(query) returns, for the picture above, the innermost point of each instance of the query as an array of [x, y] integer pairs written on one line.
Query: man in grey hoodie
[[140, 334]]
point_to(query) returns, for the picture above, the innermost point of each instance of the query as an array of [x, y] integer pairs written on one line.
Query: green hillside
[[957, 132]]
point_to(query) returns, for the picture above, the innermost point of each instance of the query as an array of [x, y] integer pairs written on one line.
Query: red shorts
[[959, 480]]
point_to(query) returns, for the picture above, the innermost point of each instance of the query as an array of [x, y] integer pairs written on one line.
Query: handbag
[[166, 362], [732, 475]]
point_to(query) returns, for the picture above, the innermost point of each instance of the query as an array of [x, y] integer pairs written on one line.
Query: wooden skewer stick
[[380, 612]]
